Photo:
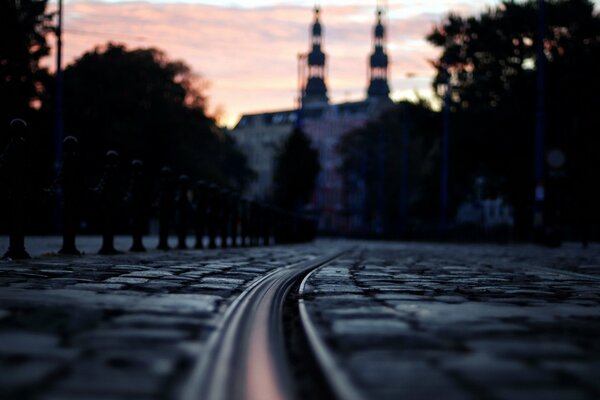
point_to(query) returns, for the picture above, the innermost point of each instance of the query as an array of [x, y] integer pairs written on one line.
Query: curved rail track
[[246, 358]]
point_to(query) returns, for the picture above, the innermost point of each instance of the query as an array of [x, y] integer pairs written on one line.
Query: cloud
[[249, 54]]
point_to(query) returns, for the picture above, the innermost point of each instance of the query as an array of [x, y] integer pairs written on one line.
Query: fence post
[[165, 207], [14, 165], [243, 205], [224, 216], [212, 216], [71, 180], [138, 199], [266, 224], [110, 197], [200, 204], [183, 205], [235, 218]]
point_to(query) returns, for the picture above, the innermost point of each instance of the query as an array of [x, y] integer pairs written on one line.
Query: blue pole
[[540, 124], [444, 160], [59, 127], [364, 210], [59, 123], [404, 143], [380, 186]]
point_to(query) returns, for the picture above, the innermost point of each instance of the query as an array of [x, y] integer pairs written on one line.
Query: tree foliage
[[296, 168], [24, 26], [405, 136], [492, 63], [146, 106]]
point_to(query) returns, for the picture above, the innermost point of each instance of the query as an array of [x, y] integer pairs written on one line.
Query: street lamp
[[446, 92], [59, 128], [58, 115], [540, 127]]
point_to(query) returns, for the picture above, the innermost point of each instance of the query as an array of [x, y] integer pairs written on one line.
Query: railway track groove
[[246, 357]]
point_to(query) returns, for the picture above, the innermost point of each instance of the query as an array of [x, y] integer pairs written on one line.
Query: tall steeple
[[378, 64], [315, 91]]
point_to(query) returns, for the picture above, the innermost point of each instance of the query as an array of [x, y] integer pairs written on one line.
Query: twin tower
[[314, 90]]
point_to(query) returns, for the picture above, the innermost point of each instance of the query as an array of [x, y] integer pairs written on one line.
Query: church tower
[[378, 64], [315, 90]]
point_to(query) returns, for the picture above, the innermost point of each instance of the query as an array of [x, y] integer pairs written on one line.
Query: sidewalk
[[419, 321]]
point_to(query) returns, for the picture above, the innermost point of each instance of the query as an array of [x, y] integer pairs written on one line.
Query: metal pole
[[404, 143], [301, 78], [540, 125], [380, 228], [444, 160], [59, 127]]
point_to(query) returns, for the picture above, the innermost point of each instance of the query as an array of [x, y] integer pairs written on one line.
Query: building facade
[[261, 135]]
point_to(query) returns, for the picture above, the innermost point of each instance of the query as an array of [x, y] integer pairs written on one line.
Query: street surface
[[401, 320], [125, 326], [418, 321]]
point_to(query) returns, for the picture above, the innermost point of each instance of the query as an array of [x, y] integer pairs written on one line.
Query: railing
[[222, 216]]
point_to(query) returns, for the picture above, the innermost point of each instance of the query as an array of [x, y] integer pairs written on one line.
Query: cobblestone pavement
[[125, 326], [418, 321]]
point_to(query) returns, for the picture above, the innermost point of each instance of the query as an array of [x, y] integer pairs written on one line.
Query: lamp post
[[59, 127], [540, 127], [444, 155], [404, 154], [58, 116]]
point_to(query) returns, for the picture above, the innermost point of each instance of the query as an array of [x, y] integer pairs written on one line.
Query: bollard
[[277, 226], [281, 227], [165, 207], [254, 223], [71, 180], [244, 222], [224, 216], [14, 166], [200, 204], [234, 207], [249, 222], [183, 205], [137, 201], [110, 198], [212, 212], [266, 224]]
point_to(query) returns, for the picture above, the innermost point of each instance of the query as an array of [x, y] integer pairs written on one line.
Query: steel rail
[[245, 356], [572, 274], [339, 383]]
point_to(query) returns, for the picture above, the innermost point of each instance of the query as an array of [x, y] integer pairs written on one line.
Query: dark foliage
[[402, 146], [296, 168], [491, 62], [491, 59], [150, 108], [25, 87], [24, 26]]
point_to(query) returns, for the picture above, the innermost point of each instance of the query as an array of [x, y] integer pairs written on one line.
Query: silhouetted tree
[[380, 143], [296, 168], [25, 86], [491, 61], [150, 108], [24, 25]]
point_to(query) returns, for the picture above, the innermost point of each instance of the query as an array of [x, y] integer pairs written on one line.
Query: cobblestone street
[[417, 321], [401, 320], [125, 326]]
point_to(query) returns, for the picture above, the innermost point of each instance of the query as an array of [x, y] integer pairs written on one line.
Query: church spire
[[378, 63], [315, 90]]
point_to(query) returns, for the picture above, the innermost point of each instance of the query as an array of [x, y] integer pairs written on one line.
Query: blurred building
[[336, 203]]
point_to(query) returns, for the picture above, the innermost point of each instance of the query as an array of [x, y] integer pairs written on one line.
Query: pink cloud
[[249, 55]]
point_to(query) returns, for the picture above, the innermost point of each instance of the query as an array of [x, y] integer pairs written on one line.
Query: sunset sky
[[247, 49]]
